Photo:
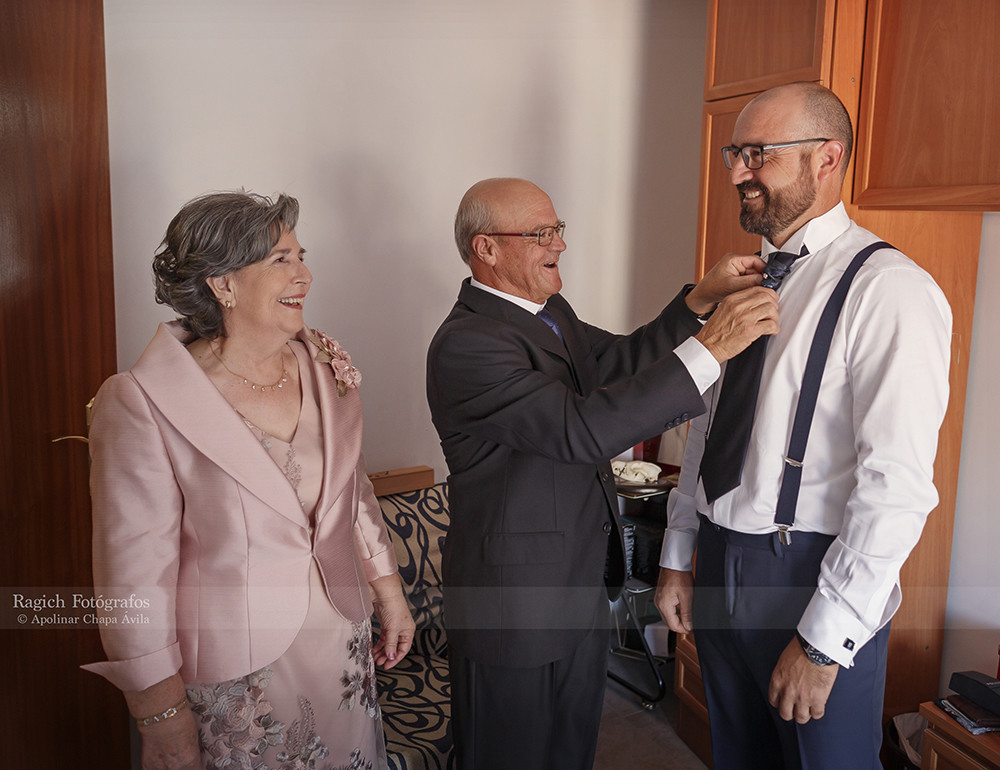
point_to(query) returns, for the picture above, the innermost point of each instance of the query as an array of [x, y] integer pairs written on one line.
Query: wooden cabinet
[[929, 135], [692, 715], [837, 64], [719, 230], [949, 746], [930, 118], [799, 38], [945, 243]]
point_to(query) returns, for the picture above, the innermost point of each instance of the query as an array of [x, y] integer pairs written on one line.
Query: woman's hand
[[171, 743], [397, 626]]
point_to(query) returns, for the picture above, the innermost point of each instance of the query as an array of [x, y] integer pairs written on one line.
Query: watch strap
[[814, 655]]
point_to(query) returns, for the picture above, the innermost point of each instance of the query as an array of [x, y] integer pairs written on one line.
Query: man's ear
[[485, 249], [829, 158]]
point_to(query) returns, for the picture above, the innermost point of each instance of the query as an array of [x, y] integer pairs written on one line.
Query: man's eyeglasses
[[544, 236], [753, 154]]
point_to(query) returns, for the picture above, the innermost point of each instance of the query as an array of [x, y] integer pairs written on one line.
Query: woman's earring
[[229, 305]]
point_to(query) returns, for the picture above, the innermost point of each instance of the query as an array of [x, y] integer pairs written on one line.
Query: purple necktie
[[550, 321]]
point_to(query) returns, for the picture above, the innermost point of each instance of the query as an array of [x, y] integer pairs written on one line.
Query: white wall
[[378, 115], [665, 205], [973, 621]]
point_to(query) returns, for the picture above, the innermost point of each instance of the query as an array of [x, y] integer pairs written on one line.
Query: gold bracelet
[[163, 715]]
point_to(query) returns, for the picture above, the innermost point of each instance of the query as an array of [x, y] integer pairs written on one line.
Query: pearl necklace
[[280, 382]]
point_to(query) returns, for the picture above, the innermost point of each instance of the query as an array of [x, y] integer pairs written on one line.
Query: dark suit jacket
[[528, 426]]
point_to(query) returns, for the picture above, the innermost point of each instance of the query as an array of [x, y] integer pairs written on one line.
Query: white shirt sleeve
[[681, 535], [899, 349]]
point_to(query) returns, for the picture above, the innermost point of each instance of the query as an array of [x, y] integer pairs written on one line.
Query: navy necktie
[[550, 321], [729, 432]]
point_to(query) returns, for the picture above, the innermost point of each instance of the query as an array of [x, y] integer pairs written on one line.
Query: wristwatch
[[813, 654]]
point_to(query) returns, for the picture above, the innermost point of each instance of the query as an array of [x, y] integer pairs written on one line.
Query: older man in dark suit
[[530, 404]]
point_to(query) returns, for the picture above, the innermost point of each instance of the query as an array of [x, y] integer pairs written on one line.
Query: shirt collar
[[527, 304], [816, 234]]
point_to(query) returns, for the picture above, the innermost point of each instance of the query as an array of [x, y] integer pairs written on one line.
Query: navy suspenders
[[788, 496]]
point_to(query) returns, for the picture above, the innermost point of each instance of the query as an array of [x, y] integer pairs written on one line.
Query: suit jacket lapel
[[343, 425], [185, 396], [500, 309], [584, 373]]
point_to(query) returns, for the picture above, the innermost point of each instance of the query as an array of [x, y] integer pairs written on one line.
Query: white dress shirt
[[868, 467], [701, 364]]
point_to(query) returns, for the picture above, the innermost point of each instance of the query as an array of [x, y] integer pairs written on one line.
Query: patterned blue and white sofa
[[416, 712]]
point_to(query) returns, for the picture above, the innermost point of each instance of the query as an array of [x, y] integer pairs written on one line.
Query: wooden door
[[57, 324]]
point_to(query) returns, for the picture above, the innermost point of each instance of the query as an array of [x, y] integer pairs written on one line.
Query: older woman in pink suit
[[238, 546]]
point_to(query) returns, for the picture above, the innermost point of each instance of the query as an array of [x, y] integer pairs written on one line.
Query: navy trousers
[[750, 592]]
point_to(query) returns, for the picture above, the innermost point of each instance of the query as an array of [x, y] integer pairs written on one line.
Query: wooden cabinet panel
[[949, 746], [930, 116], [719, 230], [687, 684], [692, 713], [938, 754], [754, 46]]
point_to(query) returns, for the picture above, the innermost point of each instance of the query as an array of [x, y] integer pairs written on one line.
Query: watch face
[[813, 654], [818, 657]]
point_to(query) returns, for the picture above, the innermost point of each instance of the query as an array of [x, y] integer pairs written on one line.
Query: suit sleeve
[[620, 355], [371, 538], [486, 380], [137, 508]]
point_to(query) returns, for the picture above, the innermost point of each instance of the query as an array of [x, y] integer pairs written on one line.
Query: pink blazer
[[202, 551]]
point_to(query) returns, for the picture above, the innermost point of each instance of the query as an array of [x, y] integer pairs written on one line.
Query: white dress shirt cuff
[[833, 631], [680, 539], [677, 549], [701, 364]]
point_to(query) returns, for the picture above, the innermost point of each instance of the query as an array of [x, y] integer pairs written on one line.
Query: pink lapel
[[187, 399], [343, 423]]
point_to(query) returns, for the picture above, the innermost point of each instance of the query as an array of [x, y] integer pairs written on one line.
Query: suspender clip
[[784, 535]]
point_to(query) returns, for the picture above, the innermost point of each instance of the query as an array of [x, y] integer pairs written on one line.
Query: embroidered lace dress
[[316, 707]]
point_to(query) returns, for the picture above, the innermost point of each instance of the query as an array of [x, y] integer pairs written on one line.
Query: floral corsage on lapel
[[330, 352]]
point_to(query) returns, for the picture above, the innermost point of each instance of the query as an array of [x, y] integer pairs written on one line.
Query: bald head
[[499, 230], [810, 110], [800, 175], [489, 206]]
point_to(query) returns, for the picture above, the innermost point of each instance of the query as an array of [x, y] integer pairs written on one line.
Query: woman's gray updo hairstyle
[[211, 236]]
